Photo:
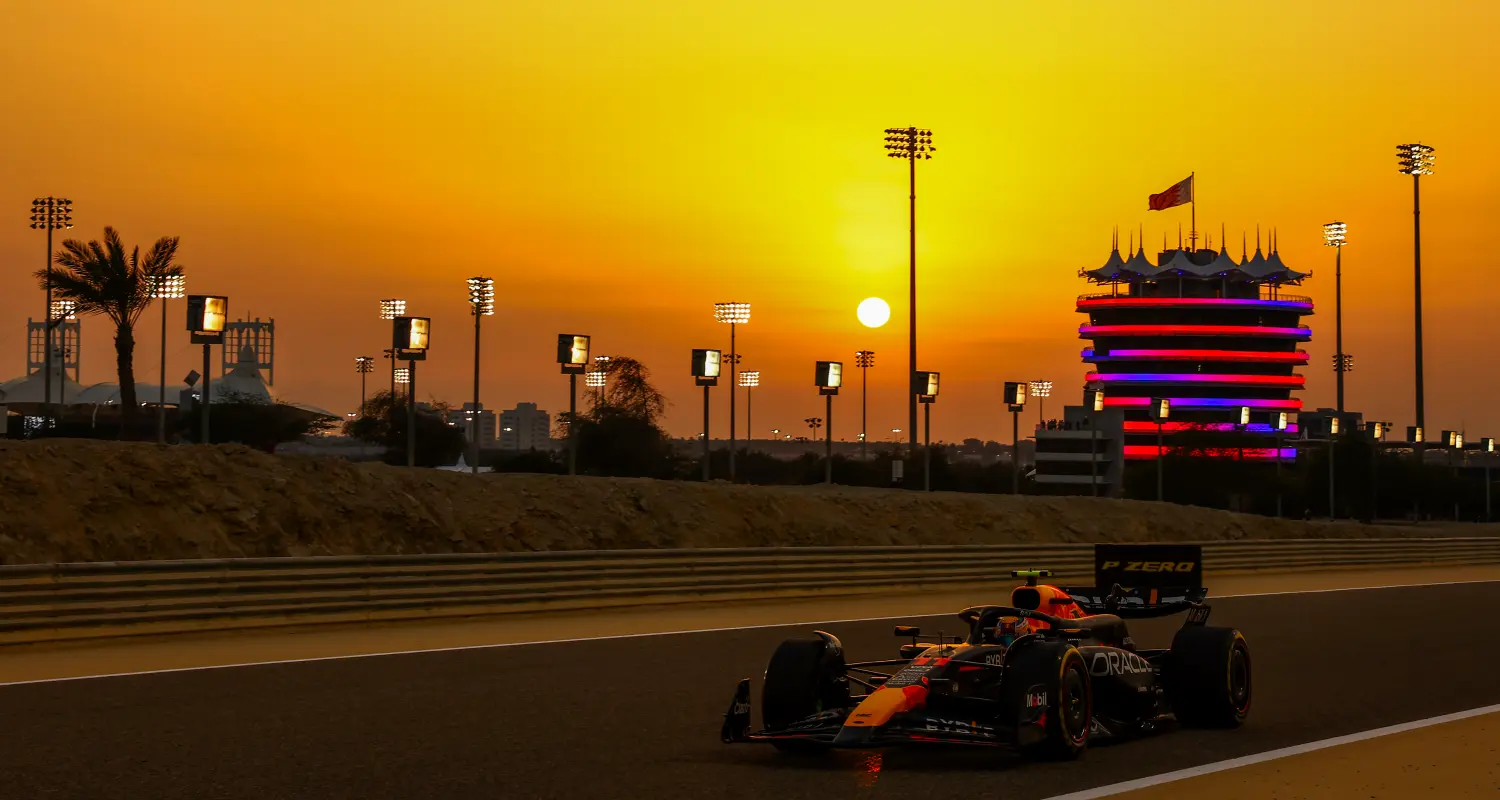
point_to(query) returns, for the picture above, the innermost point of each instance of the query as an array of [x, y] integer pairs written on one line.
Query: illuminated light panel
[[1203, 402], [1188, 302], [1172, 427], [1251, 356], [1141, 452], [1095, 331], [1196, 377]]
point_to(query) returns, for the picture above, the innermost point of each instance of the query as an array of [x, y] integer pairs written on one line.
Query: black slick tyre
[[1068, 718], [805, 677], [1208, 677]]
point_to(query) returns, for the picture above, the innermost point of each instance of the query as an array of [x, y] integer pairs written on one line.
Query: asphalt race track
[[640, 717]]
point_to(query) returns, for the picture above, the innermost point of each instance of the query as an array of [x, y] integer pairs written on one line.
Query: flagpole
[[1193, 234]]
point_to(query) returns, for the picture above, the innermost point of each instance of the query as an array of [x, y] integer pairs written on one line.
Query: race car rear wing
[[1144, 580]]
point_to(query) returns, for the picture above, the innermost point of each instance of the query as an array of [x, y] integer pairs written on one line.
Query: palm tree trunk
[[125, 366]]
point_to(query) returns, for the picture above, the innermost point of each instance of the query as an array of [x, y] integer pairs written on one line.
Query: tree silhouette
[[103, 279]]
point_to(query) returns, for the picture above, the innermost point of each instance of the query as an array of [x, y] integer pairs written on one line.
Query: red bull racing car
[[1047, 674]]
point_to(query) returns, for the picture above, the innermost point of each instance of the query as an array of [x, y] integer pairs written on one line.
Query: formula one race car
[[1046, 674]]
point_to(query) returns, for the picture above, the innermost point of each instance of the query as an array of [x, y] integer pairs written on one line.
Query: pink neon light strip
[[1168, 302], [1095, 331], [1148, 452], [1195, 377], [1299, 357], [1172, 427], [1203, 402]]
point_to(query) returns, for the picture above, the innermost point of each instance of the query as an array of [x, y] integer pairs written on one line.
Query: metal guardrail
[[84, 600]]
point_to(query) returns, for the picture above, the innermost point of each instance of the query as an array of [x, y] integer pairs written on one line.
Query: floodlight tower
[[1041, 390], [732, 314], [1334, 235], [748, 380], [482, 303], [363, 365], [1417, 160], [864, 359], [50, 214], [912, 144], [164, 288], [389, 310]]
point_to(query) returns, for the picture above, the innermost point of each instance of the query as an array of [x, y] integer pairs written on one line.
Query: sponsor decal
[[740, 708], [1118, 662], [994, 659], [1036, 699], [1151, 566], [909, 675], [939, 725]]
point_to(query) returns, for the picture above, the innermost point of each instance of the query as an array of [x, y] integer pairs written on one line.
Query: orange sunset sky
[[618, 167]]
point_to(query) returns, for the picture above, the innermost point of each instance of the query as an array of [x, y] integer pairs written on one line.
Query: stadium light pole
[[1417, 160], [1278, 424], [1334, 235], [164, 288], [482, 303], [913, 144], [748, 381], [864, 359], [732, 314], [1487, 446], [829, 376], [363, 365], [1093, 403], [1333, 437], [1041, 390], [49, 214], [411, 337], [389, 310], [1015, 400], [62, 311], [1161, 409], [707, 364]]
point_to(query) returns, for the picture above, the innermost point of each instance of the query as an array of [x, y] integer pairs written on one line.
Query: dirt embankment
[[104, 501]]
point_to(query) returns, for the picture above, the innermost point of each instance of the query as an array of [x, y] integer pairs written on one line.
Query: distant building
[[525, 427], [460, 418]]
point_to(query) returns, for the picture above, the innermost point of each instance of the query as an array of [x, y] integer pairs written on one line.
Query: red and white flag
[[1181, 193]]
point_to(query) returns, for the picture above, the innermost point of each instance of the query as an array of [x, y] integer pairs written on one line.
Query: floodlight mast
[[1417, 160], [864, 359], [164, 288], [482, 303], [912, 144], [389, 310], [1041, 390], [732, 314], [49, 214], [1335, 236]]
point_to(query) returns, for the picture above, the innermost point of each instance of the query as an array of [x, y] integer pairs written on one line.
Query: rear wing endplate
[[1143, 580]]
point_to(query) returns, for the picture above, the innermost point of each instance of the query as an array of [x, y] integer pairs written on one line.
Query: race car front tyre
[[1068, 697], [805, 677], [1207, 677]]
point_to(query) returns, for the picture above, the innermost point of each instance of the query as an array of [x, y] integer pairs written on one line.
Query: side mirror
[[908, 631]]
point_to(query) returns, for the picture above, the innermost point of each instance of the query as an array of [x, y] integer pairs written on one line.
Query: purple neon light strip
[[1163, 302], [1095, 331], [1204, 402], [1195, 377]]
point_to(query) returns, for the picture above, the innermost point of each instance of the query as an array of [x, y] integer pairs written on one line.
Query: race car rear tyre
[[805, 677], [1207, 677], [1068, 719]]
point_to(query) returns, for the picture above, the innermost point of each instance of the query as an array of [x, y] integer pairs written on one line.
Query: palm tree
[[103, 279]]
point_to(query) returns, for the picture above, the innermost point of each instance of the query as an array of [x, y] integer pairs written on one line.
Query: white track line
[[498, 645], [1269, 755]]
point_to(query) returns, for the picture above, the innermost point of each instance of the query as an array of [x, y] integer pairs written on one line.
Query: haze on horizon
[[619, 167]]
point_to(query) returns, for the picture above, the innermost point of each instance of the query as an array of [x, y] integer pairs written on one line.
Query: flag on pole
[[1181, 193]]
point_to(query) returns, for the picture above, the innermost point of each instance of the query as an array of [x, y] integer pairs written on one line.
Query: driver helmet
[[1008, 629]]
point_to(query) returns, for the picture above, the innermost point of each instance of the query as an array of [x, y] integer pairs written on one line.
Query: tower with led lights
[[1211, 333]]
